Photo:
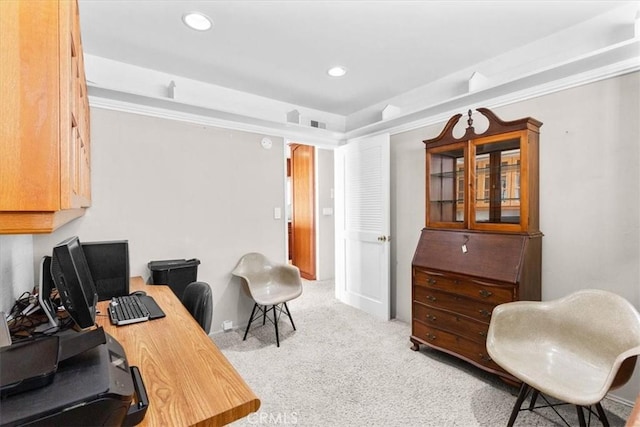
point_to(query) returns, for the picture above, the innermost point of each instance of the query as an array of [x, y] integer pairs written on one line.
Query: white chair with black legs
[[271, 286], [574, 349]]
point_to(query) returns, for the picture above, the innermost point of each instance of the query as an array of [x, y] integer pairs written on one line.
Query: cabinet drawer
[[452, 322], [443, 300], [476, 289], [472, 351]]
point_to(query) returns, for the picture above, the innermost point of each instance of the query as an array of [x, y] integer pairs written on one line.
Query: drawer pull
[[431, 318], [431, 337], [431, 298], [432, 281], [485, 293], [484, 357], [482, 334], [485, 313]]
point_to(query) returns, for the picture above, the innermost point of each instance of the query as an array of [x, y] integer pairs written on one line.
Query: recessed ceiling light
[[197, 21], [338, 71]]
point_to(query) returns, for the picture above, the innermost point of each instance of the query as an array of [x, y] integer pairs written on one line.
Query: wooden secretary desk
[[481, 245]]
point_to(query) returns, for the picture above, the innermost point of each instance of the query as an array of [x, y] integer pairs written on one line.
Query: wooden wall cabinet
[[481, 245], [45, 163]]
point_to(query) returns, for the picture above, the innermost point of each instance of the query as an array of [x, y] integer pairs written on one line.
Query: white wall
[[589, 193], [325, 220], [178, 190], [16, 272]]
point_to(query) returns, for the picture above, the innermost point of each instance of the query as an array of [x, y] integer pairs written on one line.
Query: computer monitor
[[108, 262], [72, 277]]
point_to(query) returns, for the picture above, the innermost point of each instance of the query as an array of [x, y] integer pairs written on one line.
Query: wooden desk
[[188, 380]]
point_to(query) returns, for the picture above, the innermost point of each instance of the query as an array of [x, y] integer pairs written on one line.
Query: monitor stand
[[45, 286]]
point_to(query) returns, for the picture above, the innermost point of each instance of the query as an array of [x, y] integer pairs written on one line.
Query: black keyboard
[[127, 309]]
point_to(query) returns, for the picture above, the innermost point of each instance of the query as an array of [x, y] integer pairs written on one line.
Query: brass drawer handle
[[431, 298], [432, 281], [482, 334], [431, 317], [431, 337], [485, 313], [485, 293], [484, 357]]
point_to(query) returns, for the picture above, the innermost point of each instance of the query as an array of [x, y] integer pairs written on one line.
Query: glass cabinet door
[[497, 177], [446, 185]]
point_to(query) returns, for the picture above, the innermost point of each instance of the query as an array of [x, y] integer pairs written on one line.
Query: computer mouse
[[139, 293]]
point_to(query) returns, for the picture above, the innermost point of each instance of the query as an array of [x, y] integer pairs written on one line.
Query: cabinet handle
[[432, 281], [485, 293], [485, 313], [431, 317], [484, 357], [431, 337], [431, 298], [482, 334]]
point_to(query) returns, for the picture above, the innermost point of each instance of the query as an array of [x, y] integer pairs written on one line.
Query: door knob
[[382, 238]]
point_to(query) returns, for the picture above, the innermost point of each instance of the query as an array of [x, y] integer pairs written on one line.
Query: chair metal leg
[[275, 322], [602, 415], [524, 390], [289, 314], [250, 320], [264, 315], [581, 416], [534, 398]]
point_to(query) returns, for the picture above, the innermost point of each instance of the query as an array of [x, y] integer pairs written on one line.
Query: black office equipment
[[72, 277], [73, 343], [155, 312], [27, 365], [108, 262], [134, 308], [177, 273], [95, 387], [126, 310]]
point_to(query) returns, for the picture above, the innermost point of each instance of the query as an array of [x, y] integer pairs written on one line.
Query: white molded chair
[[574, 349], [270, 286]]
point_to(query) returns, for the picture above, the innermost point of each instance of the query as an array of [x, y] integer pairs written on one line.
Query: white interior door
[[362, 222]]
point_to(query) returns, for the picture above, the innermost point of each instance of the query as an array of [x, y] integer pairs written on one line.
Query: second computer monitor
[[109, 265]]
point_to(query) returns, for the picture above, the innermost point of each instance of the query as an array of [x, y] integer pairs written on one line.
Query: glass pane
[[446, 191], [498, 182]]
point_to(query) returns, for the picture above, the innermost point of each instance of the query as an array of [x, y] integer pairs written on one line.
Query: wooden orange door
[[303, 231]]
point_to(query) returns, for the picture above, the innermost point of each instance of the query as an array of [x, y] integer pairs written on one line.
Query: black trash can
[[177, 273]]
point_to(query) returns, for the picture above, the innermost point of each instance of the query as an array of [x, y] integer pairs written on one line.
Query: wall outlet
[[227, 325]]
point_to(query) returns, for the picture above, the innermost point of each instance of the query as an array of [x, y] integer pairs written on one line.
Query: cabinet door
[[499, 172], [29, 151], [74, 137], [446, 186]]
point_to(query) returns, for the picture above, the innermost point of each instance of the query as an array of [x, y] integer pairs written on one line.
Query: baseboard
[[619, 400]]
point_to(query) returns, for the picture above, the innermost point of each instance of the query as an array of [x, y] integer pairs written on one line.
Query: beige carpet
[[342, 367]]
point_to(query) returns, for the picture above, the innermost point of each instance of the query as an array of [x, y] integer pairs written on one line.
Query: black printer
[[92, 387]]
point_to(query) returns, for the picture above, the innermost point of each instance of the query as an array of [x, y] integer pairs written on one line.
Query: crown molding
[[117, 100], [612, 61]]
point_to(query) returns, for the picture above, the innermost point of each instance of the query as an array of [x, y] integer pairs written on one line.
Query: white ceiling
[[282, 49]]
